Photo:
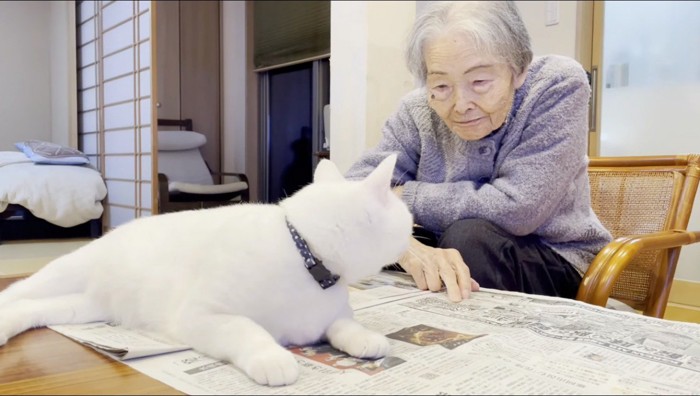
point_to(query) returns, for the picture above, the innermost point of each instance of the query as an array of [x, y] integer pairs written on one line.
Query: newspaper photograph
[[495, 342]]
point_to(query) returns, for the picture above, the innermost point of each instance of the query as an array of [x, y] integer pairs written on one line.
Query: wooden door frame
[[598, 9], [252, 128]]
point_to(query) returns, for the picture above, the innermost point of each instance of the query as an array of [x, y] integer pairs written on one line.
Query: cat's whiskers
[[421, 237], [400, 178]]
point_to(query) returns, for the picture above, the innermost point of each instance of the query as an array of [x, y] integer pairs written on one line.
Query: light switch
[[552, 17]]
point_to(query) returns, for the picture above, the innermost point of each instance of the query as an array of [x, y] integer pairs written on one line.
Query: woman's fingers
[[411, 264], [475, 285], [416, 272], [461, 271], [432, 267], [424, 269], [454, 293], [448, 275], [455, 275]]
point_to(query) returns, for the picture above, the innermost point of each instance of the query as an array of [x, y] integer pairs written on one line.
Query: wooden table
[[41, 361]]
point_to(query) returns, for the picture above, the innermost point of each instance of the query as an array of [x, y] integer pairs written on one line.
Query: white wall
[[64, 94], [388, 78], [25, 76], [554, 39], [368, 74], [348, 92]]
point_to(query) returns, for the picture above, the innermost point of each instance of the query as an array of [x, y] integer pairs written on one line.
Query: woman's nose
[[464, 100]]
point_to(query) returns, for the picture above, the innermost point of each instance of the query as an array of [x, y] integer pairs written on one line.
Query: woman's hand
[[431, 267]]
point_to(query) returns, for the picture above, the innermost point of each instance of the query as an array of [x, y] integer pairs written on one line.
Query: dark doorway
[[293, 121], [289, 145]]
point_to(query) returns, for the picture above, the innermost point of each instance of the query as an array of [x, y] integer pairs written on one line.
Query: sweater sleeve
[[533, 176]]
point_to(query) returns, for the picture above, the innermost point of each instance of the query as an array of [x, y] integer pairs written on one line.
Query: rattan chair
[[646, 203]]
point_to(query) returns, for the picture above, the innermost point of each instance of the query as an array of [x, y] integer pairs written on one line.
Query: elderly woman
[[491, 157]]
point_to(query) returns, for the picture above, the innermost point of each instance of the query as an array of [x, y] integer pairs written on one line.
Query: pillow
[[51, 153]]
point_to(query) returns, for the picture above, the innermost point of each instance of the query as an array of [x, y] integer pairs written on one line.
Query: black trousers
[[499, 260]]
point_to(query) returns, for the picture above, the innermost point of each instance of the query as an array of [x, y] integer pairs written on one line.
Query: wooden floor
[[682, 313], [43, 362]]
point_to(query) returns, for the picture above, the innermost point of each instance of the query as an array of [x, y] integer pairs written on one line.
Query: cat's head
[[355, 227]]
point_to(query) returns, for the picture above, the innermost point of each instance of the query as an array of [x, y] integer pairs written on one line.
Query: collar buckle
[[315, 266]]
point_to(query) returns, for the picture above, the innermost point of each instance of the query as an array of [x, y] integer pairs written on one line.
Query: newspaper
[[118, 342], [495, 342]]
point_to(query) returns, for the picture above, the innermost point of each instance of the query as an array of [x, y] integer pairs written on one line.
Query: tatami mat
[[26, 257]]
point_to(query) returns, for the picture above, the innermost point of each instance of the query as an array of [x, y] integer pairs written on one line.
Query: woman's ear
[[519, 80]]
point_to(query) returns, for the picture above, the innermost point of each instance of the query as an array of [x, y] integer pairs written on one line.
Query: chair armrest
[[165, 204], [241, 176], [604, 271], [163, 193], [191, 188], [245, 196], [590, 278]]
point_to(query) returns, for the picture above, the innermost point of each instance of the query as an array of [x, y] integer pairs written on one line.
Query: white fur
[[230, 281]]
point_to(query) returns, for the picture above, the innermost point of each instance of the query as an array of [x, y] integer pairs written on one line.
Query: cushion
[[180, 140], [51, 153]]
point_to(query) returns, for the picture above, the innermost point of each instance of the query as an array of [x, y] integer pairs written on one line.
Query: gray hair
[[495, 26]]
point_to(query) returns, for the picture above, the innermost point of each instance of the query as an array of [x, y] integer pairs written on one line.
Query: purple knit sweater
[[528, 177]]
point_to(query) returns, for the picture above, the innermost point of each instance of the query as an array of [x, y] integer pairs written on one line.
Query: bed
[[49, 199]]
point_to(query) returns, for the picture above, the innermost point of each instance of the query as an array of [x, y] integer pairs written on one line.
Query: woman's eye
[[481, 85], [440, 91]]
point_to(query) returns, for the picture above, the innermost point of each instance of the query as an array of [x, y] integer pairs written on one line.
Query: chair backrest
[[641, 195], [179, 157]]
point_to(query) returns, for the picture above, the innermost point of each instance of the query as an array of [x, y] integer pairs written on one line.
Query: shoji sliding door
[[114, 102]]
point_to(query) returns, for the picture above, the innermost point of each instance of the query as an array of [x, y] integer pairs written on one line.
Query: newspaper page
[[118, 342], [492, 343]]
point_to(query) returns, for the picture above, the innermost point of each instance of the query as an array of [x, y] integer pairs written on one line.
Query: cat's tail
[[65, 275]]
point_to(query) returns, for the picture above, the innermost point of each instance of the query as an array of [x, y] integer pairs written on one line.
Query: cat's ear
[[326, 171], [380, 178]]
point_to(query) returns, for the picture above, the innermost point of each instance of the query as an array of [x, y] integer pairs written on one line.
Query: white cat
[[231, 282]]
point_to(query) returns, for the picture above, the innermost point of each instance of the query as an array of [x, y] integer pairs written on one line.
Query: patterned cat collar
[[315, 266]]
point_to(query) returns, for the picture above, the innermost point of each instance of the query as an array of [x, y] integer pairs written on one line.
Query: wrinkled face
[[472, 92]]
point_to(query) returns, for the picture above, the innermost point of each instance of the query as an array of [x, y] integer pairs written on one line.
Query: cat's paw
[[369, 345], [274, 366], [354, 339]]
